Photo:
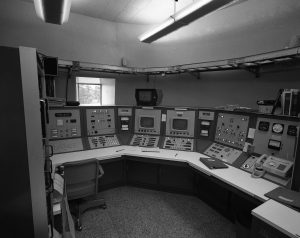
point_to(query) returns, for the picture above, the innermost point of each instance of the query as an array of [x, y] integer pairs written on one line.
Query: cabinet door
[[241, 206], [141, 173], [177, 178], [214, 194], [261, 229], [114, 174]]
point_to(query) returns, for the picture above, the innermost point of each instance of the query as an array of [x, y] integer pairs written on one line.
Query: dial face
[[277, 128]]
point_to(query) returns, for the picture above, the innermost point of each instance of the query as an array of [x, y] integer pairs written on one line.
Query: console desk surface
[[237, 178], [280, 217]]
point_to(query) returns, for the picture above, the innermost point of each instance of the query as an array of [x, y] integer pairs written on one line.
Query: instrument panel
[[223, 153], [179, 143], [103, 141], [275, 137], [232, 129], [147, 121], [100, 121], [180, 123], [144, 140], [64, 123]]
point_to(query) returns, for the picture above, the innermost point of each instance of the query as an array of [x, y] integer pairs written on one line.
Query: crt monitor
[[146, 122], [50, 65], [179, 124], [146, 97]]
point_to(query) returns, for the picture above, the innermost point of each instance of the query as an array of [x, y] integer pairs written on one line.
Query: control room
[[146, 119]]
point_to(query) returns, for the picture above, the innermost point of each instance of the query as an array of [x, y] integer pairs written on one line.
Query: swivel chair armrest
[[101, 171]]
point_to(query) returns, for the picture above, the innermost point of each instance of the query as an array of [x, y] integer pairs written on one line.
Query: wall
[[232, 32], [212, 89]]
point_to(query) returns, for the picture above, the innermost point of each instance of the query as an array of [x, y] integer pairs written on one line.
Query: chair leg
[[84, 205], [78, 224]]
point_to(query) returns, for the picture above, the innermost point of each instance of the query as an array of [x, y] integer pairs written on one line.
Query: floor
[[141, 213]]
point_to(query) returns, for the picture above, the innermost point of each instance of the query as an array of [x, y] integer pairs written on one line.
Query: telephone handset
[[258, 170]]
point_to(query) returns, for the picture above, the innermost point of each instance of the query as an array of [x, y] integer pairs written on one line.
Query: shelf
[[251, 63]]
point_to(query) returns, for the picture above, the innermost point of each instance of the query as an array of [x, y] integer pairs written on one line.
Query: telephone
[[272, 165]]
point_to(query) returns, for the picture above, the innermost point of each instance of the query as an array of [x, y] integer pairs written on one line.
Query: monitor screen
[[145, 96], [147, 122], [180, 124]]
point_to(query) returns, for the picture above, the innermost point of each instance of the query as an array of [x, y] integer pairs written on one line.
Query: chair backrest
[[81, 178]]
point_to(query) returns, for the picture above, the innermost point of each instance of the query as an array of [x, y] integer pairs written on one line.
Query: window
[[95, 91]]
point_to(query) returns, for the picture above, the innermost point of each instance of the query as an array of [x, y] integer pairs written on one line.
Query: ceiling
[[129, 11], [156, 11]]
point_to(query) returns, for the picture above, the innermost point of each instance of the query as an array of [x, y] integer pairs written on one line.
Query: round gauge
[[277, 128]]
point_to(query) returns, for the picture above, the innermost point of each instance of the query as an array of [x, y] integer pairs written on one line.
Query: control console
[[144, 140], [103, 141], [177, 143], [223, 153]]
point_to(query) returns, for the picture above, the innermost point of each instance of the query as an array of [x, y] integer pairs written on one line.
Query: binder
[[213, 163], [285, 196]]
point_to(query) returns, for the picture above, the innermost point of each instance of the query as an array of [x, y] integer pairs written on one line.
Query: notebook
[[285, 196], [213, 163]]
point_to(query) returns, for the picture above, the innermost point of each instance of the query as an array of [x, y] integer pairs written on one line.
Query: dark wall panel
[[16, 210]]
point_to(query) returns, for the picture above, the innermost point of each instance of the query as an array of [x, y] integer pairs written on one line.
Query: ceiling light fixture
[[53, 11], [183, 17]]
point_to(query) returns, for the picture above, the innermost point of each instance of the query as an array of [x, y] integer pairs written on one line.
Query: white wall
[[82, 38], [232, 32], [108, 91]]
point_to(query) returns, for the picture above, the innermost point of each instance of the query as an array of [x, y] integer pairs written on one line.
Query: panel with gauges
[[275, 137], [274, 148]]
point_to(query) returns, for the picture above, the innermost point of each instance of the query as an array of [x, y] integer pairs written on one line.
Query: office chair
[[81, 180]]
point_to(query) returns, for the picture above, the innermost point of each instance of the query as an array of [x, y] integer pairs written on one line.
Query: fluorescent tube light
[[190, 9], [157, 29], [53, 11], [183, 17], [39, 9]]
